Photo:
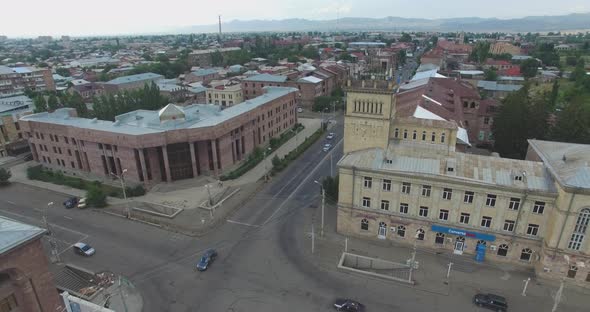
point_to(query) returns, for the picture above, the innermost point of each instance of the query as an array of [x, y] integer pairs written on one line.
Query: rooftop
[[14, 233], [568, 162], [494, 86], [135, 78], [13, 103], [267, 78], [142, 122]]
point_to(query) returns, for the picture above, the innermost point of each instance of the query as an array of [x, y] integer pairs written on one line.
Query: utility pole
[[52, 241], [323, 204], [413, 259], [331, 166], [312, 239], [526, 284], [346, 244], [209, 193], [122, 180], [557, 298]]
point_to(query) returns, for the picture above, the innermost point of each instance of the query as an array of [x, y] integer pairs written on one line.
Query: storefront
[[458, 238]]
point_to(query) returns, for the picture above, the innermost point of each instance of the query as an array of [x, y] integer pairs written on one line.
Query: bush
[[135, 191], [4, 176], [95, 197]]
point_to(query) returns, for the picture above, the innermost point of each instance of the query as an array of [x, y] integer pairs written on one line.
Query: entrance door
[[459, 246], [382, 230]]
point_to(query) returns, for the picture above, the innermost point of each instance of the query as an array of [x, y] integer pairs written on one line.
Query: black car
[[206, 259], [71, 202], [348, 305], [492, 302]]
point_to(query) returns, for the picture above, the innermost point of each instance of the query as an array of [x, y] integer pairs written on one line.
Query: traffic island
[[375, 267]]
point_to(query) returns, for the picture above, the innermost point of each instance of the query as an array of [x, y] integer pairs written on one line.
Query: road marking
[[302, 183], [38, 210], [242, 223], [11, 202], [69, 218]]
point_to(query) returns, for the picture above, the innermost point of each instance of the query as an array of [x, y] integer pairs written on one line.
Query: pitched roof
[[14, 233], [568, 162]]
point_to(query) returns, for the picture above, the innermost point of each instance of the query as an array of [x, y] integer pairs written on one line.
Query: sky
[[106, 17]]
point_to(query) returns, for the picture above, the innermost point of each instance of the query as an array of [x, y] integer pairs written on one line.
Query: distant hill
[[575, 21]]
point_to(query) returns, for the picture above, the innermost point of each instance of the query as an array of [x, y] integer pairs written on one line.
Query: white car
[[299, 110], [82, 203], [83, 249], [330, 135], [327, 147]]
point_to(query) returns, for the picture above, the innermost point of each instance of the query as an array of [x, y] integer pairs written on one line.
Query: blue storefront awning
[[459, 232]]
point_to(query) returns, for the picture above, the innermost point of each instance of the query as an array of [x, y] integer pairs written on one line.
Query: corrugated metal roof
[[14, 233], [135, 78], [267, 78]]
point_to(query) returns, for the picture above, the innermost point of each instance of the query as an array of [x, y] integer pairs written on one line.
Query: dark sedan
[[348, 305], [492, 302], [206, 259], [71, 202]]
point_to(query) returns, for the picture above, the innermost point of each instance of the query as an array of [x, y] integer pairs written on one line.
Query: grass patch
[[279, 164]]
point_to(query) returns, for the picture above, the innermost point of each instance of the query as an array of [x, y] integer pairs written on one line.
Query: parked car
[[299, 110], [82, 203], [348, 305], [71, 202], [206, 259], [327, 147], [491, 301], [84, 249], [331, 135]]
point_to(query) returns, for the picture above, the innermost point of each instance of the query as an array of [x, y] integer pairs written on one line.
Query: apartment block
[[225, 95], [15, 80]]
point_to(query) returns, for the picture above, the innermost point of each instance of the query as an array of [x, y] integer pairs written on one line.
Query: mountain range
[[571, 22]]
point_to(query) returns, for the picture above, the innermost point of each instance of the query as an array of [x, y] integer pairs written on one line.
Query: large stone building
[[15, 80], [406, 179], [12, 141], [131, 82], [167, 145], [26, 285]]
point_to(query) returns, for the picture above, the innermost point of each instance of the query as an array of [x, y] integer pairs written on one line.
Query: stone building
[[131, 82], [225, 95], [12, 141], [15, 80], [406, 179], [167, 145], [26, 285]]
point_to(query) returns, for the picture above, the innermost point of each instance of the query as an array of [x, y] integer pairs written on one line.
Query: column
[[143, 166], [108, 163], [193, 159], [28, 297], [166, 164], [214, 155]]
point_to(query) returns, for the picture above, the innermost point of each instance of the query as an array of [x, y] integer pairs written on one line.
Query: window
[[447, 193], [514, 203], [401, 231], [443, 215], [420, 234], [532, 229], [468, 198], [423, 135], [503, 250], [99, 145], [368, 182], [486, 221], [433, 137], [396, 133], [509, 225], [571, 273], [491, 200], [364, 224], [54, 149], [464, 218], [426, 190], [442, 137], [423, 211], [406, 187], [405, 133], [8, 304], [403, 208], [414, 135], [385, 205], [526, 254], [579, 230], [539, 207], [486, 120], [387, 185], [439, 239], [67, 141], [366, 202]]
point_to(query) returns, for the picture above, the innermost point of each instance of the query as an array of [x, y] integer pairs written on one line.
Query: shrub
[[135, 191], [4, 176], [95, 197]]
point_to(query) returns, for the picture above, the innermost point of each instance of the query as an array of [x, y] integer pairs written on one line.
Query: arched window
[[365, 224], [414, 135], [401, 231], [481, 242], [579, 230], [405, 133], [442, 137], [503, 250], [526, 254], [433, 137], [571, 273], [460, 239], [396, 133], [440, 238], [423, 135], [420, 234]]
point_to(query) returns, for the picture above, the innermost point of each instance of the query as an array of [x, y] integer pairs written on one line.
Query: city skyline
[[116, 18]]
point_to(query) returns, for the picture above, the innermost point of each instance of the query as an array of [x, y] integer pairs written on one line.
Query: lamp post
[[122, 180], [52, 241], [323, 204], [265, 164]]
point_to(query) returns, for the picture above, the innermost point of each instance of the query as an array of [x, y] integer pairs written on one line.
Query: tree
[[554, 94], [52, 103], [405, 38], [330, 185], [490, 74], [310, 53], [480, 52], [579, 73], [401, 57], [64, 72], [573, 122], [519, 118], [217, 58], [4, 176], [77, 102], [40, 104], [529, 68], [95, 197], [571, 60]]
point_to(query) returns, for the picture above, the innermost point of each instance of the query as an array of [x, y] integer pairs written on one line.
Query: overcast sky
[[69, 17]]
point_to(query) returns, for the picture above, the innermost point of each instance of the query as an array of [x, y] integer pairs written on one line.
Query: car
[[331, 135], [327, 147], [299, 110], [71, 202], [348, 305], [206, 259], [84, 249], [82, 203], [491, 301]]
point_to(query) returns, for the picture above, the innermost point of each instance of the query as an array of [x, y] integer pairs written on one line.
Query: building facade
[[204, 58], [225, 96], [12, 141], [26, 285], [131, 82], [14, 81], [167, 145], [406, 179]]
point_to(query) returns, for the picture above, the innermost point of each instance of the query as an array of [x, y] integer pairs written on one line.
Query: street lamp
[[323, 204], [265, 164], [52, 241], [122, 179]]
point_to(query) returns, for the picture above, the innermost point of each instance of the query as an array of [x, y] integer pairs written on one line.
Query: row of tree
[[52, 102], [106, 107]]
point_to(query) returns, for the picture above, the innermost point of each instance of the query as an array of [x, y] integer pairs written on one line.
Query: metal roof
[[13, 103], [135, 78], [14, 233], [568, 162], [494, 86], [267, 78]]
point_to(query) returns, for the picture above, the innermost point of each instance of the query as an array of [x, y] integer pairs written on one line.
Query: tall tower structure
[[370, 109], [219, 25]]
